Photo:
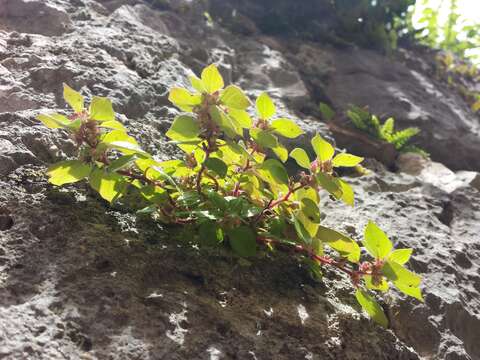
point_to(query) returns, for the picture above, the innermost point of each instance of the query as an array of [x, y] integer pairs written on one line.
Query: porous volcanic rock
[[82, 280]]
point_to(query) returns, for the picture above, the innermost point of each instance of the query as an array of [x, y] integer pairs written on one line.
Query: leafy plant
[[371, 124], [226, 188]]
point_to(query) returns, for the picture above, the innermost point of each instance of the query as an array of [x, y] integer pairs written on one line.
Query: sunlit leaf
[[400, 256], [67, 172], [184, 127], [286, 128], [108, 185], [73, 98], [405, 280], [241, 117], [346, 160], [101, 109], [212, 80], [376, 241], [233, 97], [54, 121], [322, 148], [265, 107], [346, 246], [301, 157]]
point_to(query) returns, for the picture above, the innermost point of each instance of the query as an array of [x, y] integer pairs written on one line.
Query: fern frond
[[388, 128], [400, 138], [416, 150]]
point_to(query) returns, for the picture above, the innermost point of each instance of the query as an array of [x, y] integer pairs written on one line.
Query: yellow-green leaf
[[101, 109], [197, 84], [346, 160], [184, 127], [346, 246], [265, 106], [376, 241], [301, 157], [184, 99], [73, 98], [400, 256], [406, 281], [67, 172], [54, 121], [371, 307], [327, 111], [241, 117], [233, 97], [286, 128], [281, 152], [322, 148], [212, 80], [113, 124], [348, 196], [108, 185], [382, 286]]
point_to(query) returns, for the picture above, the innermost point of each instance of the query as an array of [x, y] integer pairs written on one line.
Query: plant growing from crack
[[228, 188], [369, 123]]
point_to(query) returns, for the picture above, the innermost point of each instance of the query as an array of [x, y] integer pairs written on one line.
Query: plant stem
[[310, 254]]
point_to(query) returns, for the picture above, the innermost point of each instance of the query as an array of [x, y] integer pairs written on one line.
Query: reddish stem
[[310, 254]]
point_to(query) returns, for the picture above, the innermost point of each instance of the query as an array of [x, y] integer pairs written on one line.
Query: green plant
[[371, 124], [226, 189]]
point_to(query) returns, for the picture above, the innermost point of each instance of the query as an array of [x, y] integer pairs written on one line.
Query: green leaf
[[197, 84], [241, 117], [108, 185], [210, 233], [372, 308], [127, 148], [327, 111], [73, 98], [405, 280], [113, 124], [184, 127], [281, 152], [286, 128], [301, 157], [54, 121], [322, 148], [346, 160], [101, 109], [229, 126], [276, 170], [264, 138], [67, 172], [348, 196], [311, 210], [212, 80], [331, 184], [233, 97], [345, 246], [265, 107], [376, 241], [122, 162], [400, 256], [302, 233], [382, 286], [183, 99], [217, 166], [243, 241]]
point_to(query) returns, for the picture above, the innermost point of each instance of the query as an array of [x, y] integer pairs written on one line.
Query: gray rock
[[81, 280]]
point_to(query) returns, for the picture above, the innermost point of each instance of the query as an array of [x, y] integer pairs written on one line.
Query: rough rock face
[[81, 280]]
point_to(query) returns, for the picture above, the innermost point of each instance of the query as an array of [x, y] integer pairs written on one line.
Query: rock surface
[[81, 280]]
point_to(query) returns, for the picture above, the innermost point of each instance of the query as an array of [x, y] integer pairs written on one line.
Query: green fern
[[371, 124]]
